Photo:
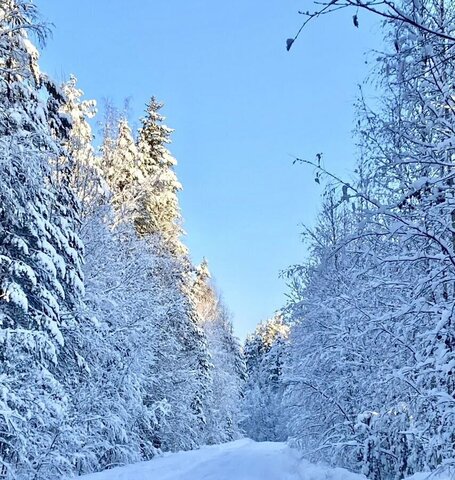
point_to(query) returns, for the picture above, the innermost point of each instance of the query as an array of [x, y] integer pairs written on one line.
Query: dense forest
[[359, 368], [115, 347]]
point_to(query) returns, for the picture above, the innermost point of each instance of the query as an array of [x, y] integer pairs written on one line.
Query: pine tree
[[179, 380], [159, 207], [123, 319], [120, 170], [40, 276]]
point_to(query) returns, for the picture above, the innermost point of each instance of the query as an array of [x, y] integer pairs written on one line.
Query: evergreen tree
[[179, 380], [40, 275], [265, 352], [118, 348], [159, 207], [120, 169], [223, 404], [85, 175]]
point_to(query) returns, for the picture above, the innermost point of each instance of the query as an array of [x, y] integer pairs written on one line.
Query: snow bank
[[448, 475], [310, 471]]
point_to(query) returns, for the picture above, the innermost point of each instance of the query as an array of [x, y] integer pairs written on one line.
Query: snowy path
[[240, 460]]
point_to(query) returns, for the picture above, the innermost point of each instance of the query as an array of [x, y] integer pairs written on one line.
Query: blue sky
[[240, 105]]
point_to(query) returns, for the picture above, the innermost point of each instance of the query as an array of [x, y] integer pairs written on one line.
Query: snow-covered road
[[240, 460]]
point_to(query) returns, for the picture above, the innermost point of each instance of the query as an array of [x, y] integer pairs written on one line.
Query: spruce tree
[[264, 352], [158, 204], [119, 165], [223, 403], [40, 275]]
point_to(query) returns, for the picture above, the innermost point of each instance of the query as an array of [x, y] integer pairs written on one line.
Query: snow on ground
[[240, 460], [445, 475]]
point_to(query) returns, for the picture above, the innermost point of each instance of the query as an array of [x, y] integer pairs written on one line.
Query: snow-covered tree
[[144, 358], [223, 404], [336, 370], [85, 175], [265, 353], [40, 274], [119, 164], [409, 144], [158, 204], [374, 333], [117, 348], [179, 381]]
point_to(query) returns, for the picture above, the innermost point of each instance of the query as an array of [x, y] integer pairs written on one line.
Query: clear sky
[[240, 105]]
